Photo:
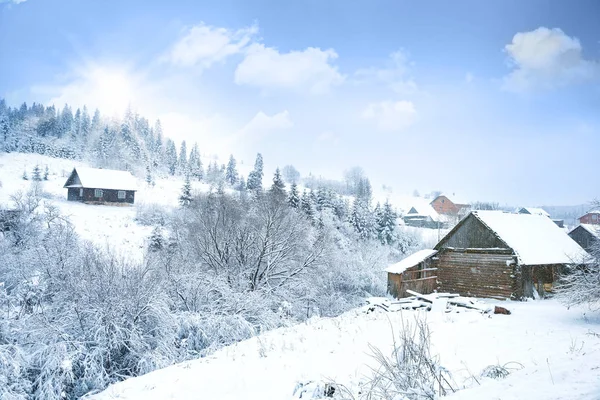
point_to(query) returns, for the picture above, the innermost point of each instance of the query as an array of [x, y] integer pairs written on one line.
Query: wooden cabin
[[424, 216], [533, 211], [415, 272], [101, 186], [590, 218], [443, 205], [504, 255], [586, 235]]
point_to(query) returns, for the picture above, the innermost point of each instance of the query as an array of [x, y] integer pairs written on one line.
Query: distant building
[[586, 235], [533, 211], [423, 215], [591, 218], [443, 205], [101, 186]]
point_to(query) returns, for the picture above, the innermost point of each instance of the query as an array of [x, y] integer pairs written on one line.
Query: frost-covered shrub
[[149, 214]]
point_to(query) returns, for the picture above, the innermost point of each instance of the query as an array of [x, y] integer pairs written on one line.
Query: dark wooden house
[[504, 255], [415, 272], [586, 235], [101, 186]]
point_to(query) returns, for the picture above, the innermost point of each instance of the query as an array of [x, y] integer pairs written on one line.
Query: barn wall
[[583, 238], [471, 233], [483, 273], [590, 218]]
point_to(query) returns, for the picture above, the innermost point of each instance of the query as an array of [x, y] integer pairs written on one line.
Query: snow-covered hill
[[105, 226], [558, 349]]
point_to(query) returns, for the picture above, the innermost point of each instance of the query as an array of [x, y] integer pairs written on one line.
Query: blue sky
[[491, 100]]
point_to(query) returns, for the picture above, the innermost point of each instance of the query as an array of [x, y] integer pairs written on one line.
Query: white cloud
[[262, 125], [204, 45], [390, 115], [307, 70], [328, 138], [547, 58], [396, 74], [13, 1]]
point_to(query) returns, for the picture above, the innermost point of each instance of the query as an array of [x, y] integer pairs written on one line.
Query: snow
[[423, 208], [533, 211], [105, 226], [410, 261], [535, 239], [557, 348], [104, 179], [593, 229]]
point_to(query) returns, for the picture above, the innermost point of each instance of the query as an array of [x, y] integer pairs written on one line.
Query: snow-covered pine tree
[[183, 161], [171, 157], [278, 187], [307, 205], [149, 179], [294, 197], [186, 193], [386, 224], [24, 176], [256, 175], [36, 175], [46, 172], [231, 175], [195, 163], [157, 240]]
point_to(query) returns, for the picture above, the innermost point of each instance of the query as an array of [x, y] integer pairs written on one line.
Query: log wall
[[479, 273]]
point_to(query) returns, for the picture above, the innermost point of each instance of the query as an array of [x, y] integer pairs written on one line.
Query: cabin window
[[98, 193], [594, 217], [81, 192], [121, 194]]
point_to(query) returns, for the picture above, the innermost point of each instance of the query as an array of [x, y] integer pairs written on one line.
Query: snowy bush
[[411, 372], [149, 214]]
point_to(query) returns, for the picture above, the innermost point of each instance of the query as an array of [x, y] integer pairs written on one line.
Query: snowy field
[[106, 226], [559, 350]]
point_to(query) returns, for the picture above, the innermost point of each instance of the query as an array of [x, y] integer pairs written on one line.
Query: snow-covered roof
[[424, 209], [533, 211], [593, 229], [410, 261], [535, 239], [102, 179]]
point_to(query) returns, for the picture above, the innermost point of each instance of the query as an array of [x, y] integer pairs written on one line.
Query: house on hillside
[[504, 255], [424, 216], [101, 186], [586, 235], [533, 211], [416, 272], [591, 218], [444, 206]]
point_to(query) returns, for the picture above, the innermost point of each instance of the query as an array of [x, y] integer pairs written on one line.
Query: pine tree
[[36, 174], [256, 175], [386, 224], [183, 163], [231, 175], [241, 186], [46, 173], [24, 176], [171, 157], [308, 205], [157, 241], [294, 197], [149, 179], [278, 187], [186, 193], [195, 164]]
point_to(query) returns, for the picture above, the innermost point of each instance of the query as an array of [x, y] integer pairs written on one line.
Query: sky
[[495, 101]]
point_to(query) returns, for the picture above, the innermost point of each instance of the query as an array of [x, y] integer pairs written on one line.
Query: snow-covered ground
[[106, 226], [558, 348]]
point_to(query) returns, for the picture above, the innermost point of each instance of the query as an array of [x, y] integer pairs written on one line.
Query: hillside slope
[[557, 348]]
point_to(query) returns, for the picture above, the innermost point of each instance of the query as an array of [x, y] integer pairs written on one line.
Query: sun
[[110, 89]]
